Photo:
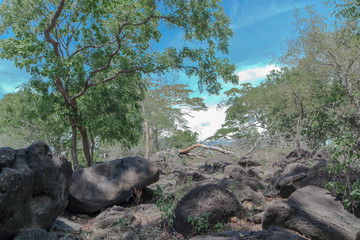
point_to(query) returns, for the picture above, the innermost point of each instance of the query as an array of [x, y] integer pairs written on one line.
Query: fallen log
[[187, 150]]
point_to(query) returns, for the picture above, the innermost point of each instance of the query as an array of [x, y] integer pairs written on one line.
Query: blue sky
[[260, 28]]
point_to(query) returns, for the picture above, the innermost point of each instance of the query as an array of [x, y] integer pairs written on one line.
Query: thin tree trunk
[[74, 157], [86, 145], [146, 128], [92, 145], [297, 138]]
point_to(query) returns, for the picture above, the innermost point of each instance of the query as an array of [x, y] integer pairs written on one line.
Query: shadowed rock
[[33, 188], [211, 199], [108, 183], [313, 212]]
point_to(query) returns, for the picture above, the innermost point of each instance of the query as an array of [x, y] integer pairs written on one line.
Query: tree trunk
[[92, 150], [86, 145], [297, 137], [74, 157], [146, 129]]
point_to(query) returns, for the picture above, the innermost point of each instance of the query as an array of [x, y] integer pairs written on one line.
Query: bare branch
[[187, 150]]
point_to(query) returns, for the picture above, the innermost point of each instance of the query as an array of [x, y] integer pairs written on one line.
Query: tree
[[74, 47], [330, 48], [164, 107], [289, 103], [25, 117]]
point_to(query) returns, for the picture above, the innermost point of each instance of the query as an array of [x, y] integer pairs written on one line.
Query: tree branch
[[52, 25]]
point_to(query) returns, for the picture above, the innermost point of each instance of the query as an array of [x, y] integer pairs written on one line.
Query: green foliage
[[164, 108], [181, 139], [85, 55], [345, 163], [27, 117], [200, 224], [288, 105], [166, 202]]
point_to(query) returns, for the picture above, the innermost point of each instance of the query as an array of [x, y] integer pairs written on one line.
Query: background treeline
[[314, 98]]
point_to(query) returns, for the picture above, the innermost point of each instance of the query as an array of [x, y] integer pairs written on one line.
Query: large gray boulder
[[211, 199], [288, 181], [34, 188], [313, 212], [109, 183]]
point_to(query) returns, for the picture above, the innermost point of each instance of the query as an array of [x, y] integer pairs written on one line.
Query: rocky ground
[[271, 194]]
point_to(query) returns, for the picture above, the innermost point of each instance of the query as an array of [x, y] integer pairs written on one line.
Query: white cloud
[[206, 123], [252, 74]]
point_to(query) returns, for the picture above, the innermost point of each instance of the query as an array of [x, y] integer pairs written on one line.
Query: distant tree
[[290, 103], [75, 47], [181, 139], [25, 117], [164, 107], [330, 48]]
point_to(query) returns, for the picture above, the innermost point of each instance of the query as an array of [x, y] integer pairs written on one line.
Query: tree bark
[[86, 145], [297, 138], [146, 129], [74, 157]]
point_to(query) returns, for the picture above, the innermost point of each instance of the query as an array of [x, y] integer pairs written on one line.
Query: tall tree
[[330, 48], [74, 46], [164, 107]]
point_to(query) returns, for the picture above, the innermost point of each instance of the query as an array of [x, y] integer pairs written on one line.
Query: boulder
[[184, 177], [34, 188], [318, 176], [248, 162], [287, 182], [211, 199], [302, 153], [106, 184], [243, 192], [216, 164], [313, 212], [235, 171]]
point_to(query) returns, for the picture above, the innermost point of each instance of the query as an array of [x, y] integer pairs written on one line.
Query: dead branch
[[187, 150], [255, 146]]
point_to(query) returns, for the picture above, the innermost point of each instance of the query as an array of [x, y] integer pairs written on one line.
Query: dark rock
[[287, 182], [41, 234], [256, 218], [317, 176], [111, 217], [248, 162], [254, 184], [243, 192], [313, 212], [302, 154], [7, 157], [108, 183], [35, 234], [65, 226], [33, 188], [274, 233], [193, 176], [216, 164], [235, 171], [254, 173], [210, 199]]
